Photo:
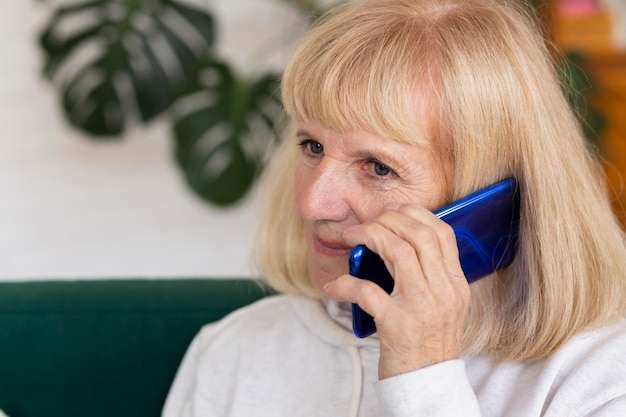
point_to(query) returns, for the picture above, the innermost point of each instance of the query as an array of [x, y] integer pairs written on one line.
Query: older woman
[[397, 108]]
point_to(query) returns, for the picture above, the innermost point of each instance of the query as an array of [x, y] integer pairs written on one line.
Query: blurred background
[[72, 205], [594, 33], [109, 169]]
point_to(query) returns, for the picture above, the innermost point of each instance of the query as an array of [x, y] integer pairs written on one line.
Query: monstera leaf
[[115, 59], [224, 131]]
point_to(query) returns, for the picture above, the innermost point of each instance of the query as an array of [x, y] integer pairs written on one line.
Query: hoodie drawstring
[[357, 380]]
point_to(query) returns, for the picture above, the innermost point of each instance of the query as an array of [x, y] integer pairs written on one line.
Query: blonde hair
[[497, 110]]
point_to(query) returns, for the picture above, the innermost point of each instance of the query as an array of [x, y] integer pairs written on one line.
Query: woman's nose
[[323, 193]]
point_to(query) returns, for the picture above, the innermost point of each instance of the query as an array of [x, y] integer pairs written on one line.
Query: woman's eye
[[381, 170], [312, 147]]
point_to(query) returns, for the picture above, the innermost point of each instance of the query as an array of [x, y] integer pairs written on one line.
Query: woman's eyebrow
[[302, 133], [381, 155]]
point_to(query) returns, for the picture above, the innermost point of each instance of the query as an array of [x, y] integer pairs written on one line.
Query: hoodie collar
[[330, 320]]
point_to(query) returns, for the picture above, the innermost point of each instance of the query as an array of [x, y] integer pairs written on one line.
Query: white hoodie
[[293, 356]]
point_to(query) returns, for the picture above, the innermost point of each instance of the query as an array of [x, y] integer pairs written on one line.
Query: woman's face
[[343, 180]]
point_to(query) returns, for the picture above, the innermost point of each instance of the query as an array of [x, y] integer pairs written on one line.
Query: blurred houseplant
[[582, 88], [117, 63]]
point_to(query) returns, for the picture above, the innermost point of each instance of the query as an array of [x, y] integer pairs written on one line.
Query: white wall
[[71, 208]]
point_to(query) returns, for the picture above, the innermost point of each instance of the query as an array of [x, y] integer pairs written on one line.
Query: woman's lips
[[330, 248]]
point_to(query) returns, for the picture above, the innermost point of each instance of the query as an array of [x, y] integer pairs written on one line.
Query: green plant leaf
[[116, 61], [579, 86], [224, 130]]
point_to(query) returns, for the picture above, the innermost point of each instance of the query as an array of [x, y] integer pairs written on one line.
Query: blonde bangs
[[359, 75]]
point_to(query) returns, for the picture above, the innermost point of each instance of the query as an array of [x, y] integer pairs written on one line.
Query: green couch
[[103, 348]]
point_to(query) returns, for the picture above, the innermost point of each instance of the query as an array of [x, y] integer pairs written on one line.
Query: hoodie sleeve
[[440, 390]]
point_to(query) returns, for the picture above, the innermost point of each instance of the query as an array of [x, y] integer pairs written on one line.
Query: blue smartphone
[[485, 224]]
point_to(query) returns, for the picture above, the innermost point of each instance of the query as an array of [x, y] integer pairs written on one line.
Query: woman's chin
[[320, 275]]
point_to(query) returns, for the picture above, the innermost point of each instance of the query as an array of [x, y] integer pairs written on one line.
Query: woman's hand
[[421, 322]]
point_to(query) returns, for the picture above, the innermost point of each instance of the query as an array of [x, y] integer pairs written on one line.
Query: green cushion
[[103, 348]]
